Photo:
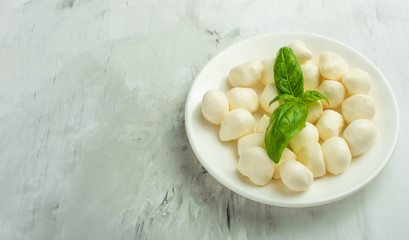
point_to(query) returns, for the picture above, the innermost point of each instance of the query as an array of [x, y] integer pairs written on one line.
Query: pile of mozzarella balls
[[333, 135]]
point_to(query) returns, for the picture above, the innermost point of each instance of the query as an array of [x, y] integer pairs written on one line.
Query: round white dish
[[220, 159]]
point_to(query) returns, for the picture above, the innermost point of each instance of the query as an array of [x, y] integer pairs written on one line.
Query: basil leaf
[[312, 96], [285, 122], [284, 97], [288, 74]]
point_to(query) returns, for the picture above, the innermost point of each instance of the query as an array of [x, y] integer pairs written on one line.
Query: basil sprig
[[312, 96], [287, 73], [289, 118], [285, 122]]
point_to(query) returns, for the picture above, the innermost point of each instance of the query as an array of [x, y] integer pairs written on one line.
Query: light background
[[93, 144]]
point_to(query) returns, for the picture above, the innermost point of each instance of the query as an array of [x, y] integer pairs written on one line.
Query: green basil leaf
[[284, 97], [288, 74], [285, 122], [312, 96]]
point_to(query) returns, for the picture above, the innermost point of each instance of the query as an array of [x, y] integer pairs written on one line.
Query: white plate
[[220, 159]]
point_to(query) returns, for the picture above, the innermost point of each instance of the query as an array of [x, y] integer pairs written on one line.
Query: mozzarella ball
[[334, 91], [251, 140], [360, 135], [285, 156], [357, 81], [263, 124], [358, 106], [308, 134], [256, 165], [269, 93], [311, 75], [246, 98], [332, 66], [330, 124], [267, 76], [314, 111], [336, 154], [214, 106], [246, 74], [301, 51], [295, 175], [311, 156], [236, 124]]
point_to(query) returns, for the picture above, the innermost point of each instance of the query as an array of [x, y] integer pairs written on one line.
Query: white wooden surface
[[93, 144]]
